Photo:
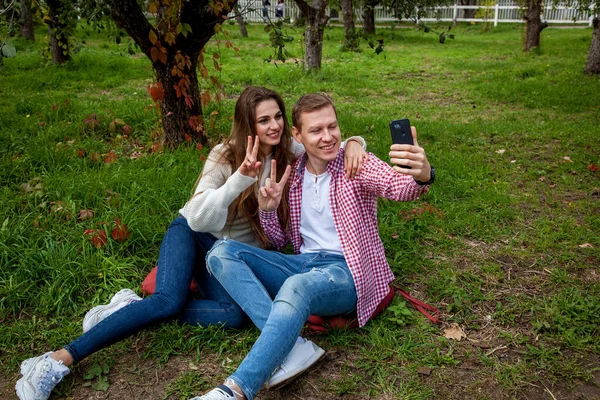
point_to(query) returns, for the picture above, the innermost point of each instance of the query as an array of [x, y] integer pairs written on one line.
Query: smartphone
[[401, 134]]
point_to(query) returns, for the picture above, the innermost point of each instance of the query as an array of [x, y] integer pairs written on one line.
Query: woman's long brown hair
[[244, 125]]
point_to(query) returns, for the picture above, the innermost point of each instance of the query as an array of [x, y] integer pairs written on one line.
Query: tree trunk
[[240, 20], [176, 114], [534, 25], [369, 17], [181, 111], [26, 21], [469, 13], [59, 41], [350, 40], [592, 66], [315, 28]]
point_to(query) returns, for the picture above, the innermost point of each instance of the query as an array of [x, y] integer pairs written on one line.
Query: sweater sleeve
[[208, 208]]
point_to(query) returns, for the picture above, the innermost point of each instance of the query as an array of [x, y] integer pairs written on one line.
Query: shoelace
[[47, 380]]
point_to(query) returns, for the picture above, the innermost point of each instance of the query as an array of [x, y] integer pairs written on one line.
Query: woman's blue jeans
[[181, 258], [304, 284]]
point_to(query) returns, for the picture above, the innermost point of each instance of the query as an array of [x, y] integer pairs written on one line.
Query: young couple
[[226, 203]]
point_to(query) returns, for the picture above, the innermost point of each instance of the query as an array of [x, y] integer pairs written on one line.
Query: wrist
[[431, 177]]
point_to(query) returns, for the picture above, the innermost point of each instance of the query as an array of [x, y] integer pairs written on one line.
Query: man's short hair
[[309, 103]]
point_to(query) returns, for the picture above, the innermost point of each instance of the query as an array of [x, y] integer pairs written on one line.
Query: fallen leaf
[[592, 167], [586, 246], [110, 157], [424, 371], [542, 179], [85, 214], [120, 233], [573, 172], [513, 161], [455, 332], [395, 235], [97, 237], [501, 151], [567, 159]]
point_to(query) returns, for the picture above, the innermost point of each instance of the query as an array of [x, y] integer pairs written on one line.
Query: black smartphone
[[401, 134]]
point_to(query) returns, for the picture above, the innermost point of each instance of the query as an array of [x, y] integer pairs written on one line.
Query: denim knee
[[292, 293], [165, 306], [221, 250]]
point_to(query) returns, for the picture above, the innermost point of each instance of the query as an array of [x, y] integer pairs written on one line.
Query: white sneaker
[[302, 356], [40, 375], [221, 392], [121, 299]]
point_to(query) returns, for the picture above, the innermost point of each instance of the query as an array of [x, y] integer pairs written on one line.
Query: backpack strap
[[424, 308]]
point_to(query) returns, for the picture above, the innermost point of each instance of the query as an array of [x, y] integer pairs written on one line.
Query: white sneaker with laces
[[119, 300], [221, 392], [302, 356], [40, 375]]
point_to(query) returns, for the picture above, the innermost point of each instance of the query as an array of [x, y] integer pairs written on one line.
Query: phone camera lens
[[397, 126]]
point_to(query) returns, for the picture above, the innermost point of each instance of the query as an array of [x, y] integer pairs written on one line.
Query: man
[[339, 266]]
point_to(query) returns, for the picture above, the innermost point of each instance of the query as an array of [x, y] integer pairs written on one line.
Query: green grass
[[496, 245]]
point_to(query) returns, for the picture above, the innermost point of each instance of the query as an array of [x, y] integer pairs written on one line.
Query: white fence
[[503, 11]]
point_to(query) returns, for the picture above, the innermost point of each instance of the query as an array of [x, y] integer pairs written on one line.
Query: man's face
[[320, 134]]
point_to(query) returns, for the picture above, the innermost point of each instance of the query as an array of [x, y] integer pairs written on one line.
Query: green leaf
[[442, 38], [8, 50], [426, 29], [93, 371], [102, 384]]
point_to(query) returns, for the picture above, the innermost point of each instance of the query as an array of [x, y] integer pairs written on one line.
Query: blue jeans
[[181, 258], [304, 284]]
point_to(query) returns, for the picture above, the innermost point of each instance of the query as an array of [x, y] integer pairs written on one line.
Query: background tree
[[351, 39], [26, 21], [467, 12], [240, 20], [316, 20], [61, 18], [590, 7], [368, 16], [174, 43], [533, 23]]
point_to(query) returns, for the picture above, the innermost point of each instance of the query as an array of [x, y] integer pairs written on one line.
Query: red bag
[[318, 324], [149, 283]]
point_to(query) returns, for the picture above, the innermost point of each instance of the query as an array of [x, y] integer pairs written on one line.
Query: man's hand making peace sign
[[270, 194]]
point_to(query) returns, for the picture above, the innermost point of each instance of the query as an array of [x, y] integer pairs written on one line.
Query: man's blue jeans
[[304, 284], [181, 258]]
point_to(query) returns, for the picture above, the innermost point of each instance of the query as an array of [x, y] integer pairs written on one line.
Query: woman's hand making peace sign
[[270, 194], [250, 166]]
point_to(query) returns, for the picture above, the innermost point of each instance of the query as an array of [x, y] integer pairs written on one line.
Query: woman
[[224, 204]]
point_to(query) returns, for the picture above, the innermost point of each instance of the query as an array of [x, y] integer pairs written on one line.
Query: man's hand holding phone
[[410, 159]]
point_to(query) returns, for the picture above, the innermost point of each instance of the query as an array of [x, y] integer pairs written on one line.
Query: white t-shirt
[[317, 228]]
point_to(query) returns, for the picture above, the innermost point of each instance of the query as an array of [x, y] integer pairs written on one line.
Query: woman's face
[[269, 124]]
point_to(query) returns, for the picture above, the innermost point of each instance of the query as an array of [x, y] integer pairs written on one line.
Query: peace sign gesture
[[270, 194], [250, 166]]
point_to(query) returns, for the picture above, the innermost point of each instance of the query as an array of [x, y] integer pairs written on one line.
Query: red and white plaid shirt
[[354, 210]]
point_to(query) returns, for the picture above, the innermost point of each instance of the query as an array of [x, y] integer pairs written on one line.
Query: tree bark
[[468, 13], [59, 40], [592, 65], [240, 20], [26, 21], [315, 28], [350, 41], [534, 24], [181, 115], [369, 17]]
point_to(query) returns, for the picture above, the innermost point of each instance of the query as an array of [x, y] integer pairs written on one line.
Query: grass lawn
[[505, 245]]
